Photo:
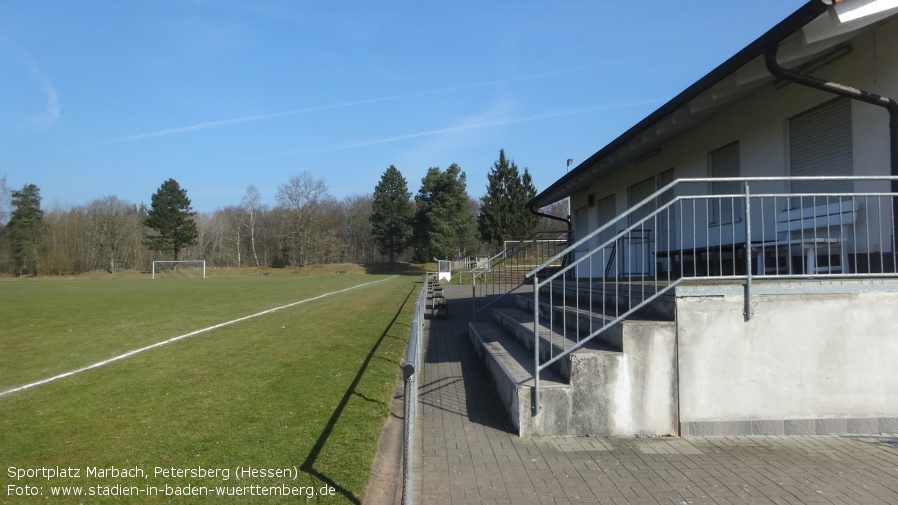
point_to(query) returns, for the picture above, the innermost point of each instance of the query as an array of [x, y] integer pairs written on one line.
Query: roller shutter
[[820, 145]]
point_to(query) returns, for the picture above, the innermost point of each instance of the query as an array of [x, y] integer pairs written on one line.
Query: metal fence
[[410, 371], [760, 228], [505, 272]]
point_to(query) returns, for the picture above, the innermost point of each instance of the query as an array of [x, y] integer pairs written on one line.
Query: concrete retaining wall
[[631, 392], [815, 358]]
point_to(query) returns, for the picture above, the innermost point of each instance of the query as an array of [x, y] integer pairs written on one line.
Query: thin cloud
[[475, 125], [201, 126], [293, 112], [51, 113]]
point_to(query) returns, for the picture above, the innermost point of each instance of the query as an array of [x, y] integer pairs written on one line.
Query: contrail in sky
[[51, 113], [293, 112], [484, 124]]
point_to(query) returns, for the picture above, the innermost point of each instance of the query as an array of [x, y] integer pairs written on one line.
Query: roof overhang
[[814, 35]]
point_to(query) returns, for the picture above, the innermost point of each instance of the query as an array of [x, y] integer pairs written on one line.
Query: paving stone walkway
[[466, 453]]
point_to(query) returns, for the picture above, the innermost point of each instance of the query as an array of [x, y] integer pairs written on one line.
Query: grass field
[[304, 389]]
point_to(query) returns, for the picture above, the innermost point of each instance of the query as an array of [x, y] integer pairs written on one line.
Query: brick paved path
[[466, 454]]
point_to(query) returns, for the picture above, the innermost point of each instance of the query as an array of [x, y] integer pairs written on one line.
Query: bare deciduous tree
[[301, 198], [112, 223], [4, 201], [252, 205], [236, 217], [357, 228]]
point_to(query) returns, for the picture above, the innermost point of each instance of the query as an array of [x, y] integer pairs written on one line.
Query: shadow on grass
[[308, 465]]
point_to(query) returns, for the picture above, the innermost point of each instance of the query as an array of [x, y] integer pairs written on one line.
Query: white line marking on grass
[[181, 337]]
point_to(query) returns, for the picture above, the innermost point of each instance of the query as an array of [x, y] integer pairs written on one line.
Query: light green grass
[[306, 387], [50, 326]]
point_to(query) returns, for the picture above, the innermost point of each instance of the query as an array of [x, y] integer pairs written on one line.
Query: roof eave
[[584, 171]]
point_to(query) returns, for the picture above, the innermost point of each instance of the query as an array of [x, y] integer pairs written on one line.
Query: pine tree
[[171, 219], [503, 209], [444, 223], [392, 214], [26, 229]]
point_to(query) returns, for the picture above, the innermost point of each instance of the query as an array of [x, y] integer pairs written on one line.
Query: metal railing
[[504, 273], [410, 369], [831, 227]]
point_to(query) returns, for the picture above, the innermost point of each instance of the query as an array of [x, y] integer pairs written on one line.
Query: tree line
[[306, 226]]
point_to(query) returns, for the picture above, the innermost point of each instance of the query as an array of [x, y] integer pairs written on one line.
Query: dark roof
[[645, 136]]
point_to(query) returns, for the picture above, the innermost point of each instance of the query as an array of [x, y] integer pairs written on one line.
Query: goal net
[[180, 268]]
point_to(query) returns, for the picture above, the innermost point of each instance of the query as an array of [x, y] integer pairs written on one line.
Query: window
[[607, 210], [581, 226], [820, 144], [642, 190], [724, 162], [637, 193], [664, 223], [666, 220]]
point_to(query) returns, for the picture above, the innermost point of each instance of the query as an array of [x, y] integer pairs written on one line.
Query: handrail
[[410, 368], [680, 182], [611, 259], [511, 261], [510, 252], [700, 241]]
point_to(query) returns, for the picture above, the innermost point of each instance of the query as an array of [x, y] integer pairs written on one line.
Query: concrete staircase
[[510, 276], [621, 383]]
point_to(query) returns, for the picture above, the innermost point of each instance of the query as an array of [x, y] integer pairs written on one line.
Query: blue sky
[[103, 98]]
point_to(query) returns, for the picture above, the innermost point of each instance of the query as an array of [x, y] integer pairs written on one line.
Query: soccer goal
[[190, 268]]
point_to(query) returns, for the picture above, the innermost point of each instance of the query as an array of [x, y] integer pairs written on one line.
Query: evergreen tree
[[171, 220], [444, 223], [26, 229], [503, 209], [392, 214]]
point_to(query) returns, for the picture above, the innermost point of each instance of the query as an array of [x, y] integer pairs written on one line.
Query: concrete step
[[516, 274], [510, 365], [579, 323], [623, 389], [553, 341], [509, 275], [611, 298]]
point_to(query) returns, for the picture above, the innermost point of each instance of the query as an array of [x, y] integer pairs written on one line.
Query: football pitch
[[256, 389]]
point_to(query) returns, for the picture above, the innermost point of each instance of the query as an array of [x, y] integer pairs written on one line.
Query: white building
[[733, 263], [742, 121]]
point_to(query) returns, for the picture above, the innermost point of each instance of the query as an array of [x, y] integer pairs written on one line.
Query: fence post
[[408, 449], [411, 368], [536, 406], [473, 295], [748, 277]]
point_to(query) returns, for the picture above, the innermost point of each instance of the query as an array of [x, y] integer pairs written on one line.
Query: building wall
[[759, 123], [813, 354]]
